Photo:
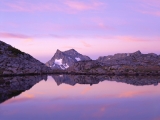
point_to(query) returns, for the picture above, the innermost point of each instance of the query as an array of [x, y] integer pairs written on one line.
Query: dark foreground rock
[[15, 62]]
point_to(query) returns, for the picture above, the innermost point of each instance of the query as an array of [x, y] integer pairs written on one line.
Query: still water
[[67, 97]]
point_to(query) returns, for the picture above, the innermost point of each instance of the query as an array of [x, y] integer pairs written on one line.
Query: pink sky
[[92, 27]]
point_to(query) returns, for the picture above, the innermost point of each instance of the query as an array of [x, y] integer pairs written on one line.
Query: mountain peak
[[137, 52], [58, 50], [66, 58], [71, 50]]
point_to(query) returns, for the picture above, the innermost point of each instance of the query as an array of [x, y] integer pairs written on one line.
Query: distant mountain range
[[16, 62], [63, 60], [120, 64]]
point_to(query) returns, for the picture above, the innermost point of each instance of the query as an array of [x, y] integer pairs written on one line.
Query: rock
[[7, 73], [15, 62]]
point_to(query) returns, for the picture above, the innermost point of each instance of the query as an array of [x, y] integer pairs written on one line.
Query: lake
[[79, 97]]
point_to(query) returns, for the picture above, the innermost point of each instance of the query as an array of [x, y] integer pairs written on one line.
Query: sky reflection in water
[[106, 100]]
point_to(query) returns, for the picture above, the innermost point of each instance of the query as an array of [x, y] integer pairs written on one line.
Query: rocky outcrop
[[120, 64], [15, 62], [134, 59], [63, 60], [13, 86]]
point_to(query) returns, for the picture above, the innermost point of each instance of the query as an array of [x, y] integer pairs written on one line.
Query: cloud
[[18, 100], [86, 90], [69, 6], [81, 6], [85, 44], [23, 6], [150, 7], [154, 13], [128, 38], [133, 94], [131, 38], [102, 110], [13, 35]]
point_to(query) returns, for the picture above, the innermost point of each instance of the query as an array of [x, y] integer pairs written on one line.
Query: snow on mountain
[[63, 60]]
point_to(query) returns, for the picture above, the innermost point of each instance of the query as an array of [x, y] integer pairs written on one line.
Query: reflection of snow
[[78, 59], [60, 75], [58, 61]]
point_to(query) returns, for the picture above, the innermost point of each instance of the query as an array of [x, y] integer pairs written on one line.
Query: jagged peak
[[58, 52], [138, 52], [71, 50]]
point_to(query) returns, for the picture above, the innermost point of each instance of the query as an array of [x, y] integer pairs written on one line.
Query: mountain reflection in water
[[13, 86]]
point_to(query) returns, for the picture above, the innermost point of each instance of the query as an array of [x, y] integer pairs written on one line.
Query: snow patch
[[66, 65], [60, 64], [78, 59], [62, 67], [58, 61], [109, 58], [128, 54]]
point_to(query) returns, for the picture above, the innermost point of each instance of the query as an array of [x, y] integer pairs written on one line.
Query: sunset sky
[[92, 27]]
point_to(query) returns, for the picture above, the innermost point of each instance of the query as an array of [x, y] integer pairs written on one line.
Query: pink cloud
[[68, 6], [129, 38], [21, 6], [158, 118], [154, 13], [150, 7], [13, 35], [133, 93], [86, 44], [102, 110], [81, 6], [154, 3], [86, 90], [18, 100]]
